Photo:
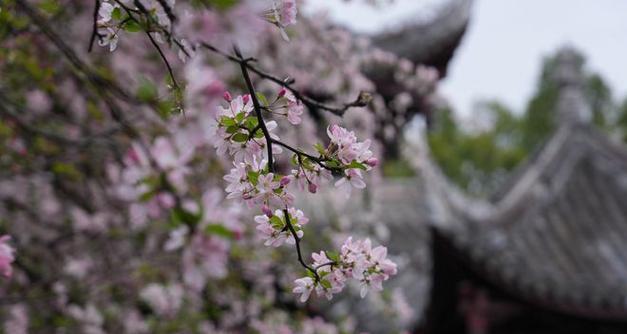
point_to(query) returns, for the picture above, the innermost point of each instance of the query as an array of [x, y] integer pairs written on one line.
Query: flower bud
[[246, 98], [313, 188], [372, 162], [364, 99], [282, 92], [227, 96], [266, 210], [284, 181]]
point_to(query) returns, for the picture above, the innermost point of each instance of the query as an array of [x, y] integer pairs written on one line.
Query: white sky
[[500, 56]]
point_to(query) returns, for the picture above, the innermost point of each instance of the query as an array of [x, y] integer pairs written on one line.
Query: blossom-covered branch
[[255, 180]]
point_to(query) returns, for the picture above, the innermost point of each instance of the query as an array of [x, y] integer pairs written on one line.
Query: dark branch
[[257, 107], [361, 101], [297, 241], [94, 31], [165, 60]]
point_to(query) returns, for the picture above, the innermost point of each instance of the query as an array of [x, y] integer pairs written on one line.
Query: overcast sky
[[500, 56]]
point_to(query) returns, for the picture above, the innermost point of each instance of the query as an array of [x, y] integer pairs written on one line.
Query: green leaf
[[147, 196], [311, 274], [319, 148], [356, 164], [240, 137], [227, 121], [262, 98], [251, 122], [132, 26], [117, 13], [326, 284], [179, 215], [332, 164], [232, 129], [333, 256], [221, 5], [240, 117], [66, 170], [219, 230], [49, 6], [146, 91], [253, 177], [276, 223]]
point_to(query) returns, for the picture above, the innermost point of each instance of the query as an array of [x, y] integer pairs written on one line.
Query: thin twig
[[257, 106], [94, 31], [360, 101], [330, 263], [297, 242], [319, 160], [165, 60]]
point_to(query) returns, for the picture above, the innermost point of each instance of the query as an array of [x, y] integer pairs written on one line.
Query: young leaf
[[253, 177], [262, 99], [333, 256], [276, 222], [356, 164], [219, 230], [132, 26], [240, 137]]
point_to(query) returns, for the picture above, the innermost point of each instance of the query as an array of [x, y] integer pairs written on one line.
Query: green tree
[[479, 159]]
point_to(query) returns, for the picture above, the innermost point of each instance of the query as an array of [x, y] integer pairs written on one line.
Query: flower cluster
[[242, 132], [113, 19], [357, 260], [282, 15], [6, 256], [274, 229], [155, 17]]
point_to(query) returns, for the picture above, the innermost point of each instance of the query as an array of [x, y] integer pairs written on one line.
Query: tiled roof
[[560, 233], [557, 233]]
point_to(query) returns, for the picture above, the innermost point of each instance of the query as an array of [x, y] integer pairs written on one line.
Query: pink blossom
[[304, 286], [287, 13], [274, 231], [357, 260], [176, 238], [38, 101], [352, 179], [294, 106], [17, 320], [163, 299], [238, 183], [105, 11], [6, 256], [265, 188], [273, 236], [206, 257]]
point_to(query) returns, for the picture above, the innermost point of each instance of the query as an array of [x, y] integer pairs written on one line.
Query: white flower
[[105, 12], [304, 286], [176, 239], [353, 179], [109, 37]]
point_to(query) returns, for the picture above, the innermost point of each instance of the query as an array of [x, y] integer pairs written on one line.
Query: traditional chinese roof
[[429, 42], [556, 236]]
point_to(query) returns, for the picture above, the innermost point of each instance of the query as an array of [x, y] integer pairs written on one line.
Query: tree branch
[[257, 107], [94, 31], [297, 241]]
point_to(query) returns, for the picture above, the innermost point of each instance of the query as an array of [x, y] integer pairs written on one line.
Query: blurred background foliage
[[478, 153]]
